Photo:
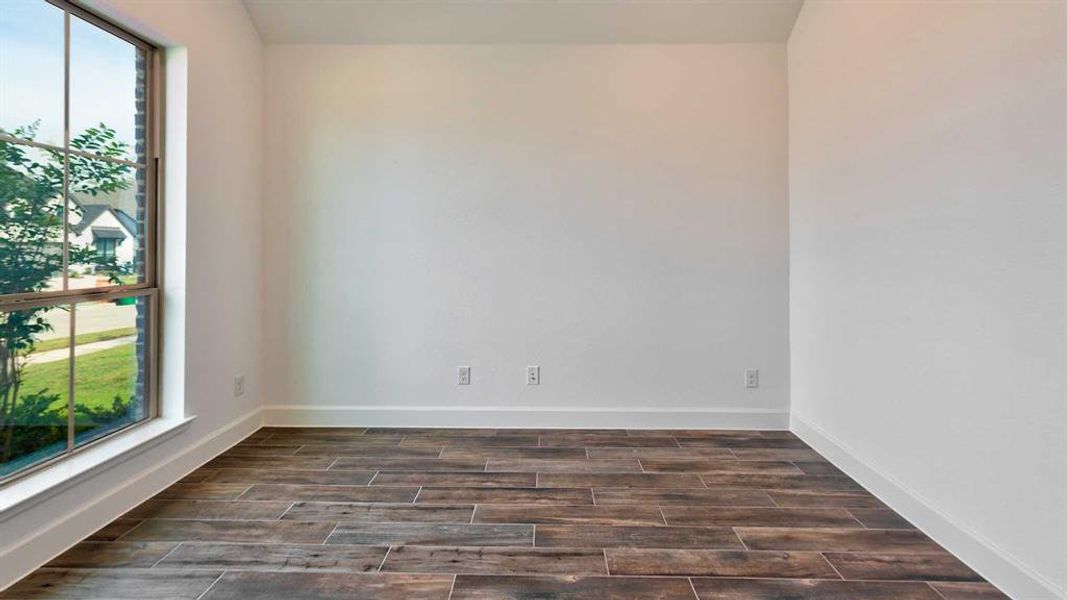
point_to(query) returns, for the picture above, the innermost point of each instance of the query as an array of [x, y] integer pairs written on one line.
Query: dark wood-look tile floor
[[486, 514]]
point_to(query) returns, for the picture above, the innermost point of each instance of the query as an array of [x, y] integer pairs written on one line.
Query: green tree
[[32, 224]]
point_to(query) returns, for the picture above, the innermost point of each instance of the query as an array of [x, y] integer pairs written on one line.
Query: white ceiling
[[522, 21]]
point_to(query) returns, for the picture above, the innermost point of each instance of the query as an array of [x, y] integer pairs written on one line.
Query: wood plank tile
[[304, 463], [328, 586], [661, 453], [807, 499], [495, 561], [207, 509], [320, 439], [506, 453], [606, 536], [293, 477], [819, 467], [880, 518], [652, 465], [622, 441], [781, 482], [517, 513], [557, 431], [838, 540], [489, 480], [743, 442], [112, 584], [114, 530], [198, 476], [803, 454], [710, 516], [411, 464], [261, 450], [911, 567], [432, 431], [472, 442], [450, 495], [276, 557], [102, 555], [355, 432], [517, 587], [718, 563], [582, 465], [679, 497], [561, 515], [809, 589], [330, 493], [376, 513], [433, 534], [204, 491], [369, 450], [783, 433], [968, 591], [296, 532], [619, 480], [698, 433]]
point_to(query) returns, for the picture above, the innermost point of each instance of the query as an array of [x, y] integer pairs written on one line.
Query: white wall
[[213, 271], [614, 214], [928, 173]]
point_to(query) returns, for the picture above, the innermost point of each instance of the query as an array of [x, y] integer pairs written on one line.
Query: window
[[78, 258]]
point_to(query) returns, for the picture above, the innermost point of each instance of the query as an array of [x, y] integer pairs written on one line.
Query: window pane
[[31, 219], [110, 366], [107, 78], [31, 71], [34, 385], [106, 224]]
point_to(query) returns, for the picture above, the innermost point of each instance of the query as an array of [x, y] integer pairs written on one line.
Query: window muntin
[[78, 289]]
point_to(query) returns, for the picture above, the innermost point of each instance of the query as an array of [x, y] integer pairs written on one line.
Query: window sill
[[49, 481]]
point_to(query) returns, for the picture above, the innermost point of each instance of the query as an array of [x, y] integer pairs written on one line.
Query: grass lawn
[[98, 377], [85, 338]]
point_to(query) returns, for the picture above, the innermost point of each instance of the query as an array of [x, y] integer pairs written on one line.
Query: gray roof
[[91, 212], [127, 221], [108, 233]]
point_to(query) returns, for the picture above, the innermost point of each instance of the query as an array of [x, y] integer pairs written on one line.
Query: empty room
[[533, 299]]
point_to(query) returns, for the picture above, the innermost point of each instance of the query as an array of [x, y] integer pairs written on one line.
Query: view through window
[[78, 272]]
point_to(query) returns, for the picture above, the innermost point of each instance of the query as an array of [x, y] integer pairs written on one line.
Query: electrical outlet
[[752, 378], [464, 376], [533, 375], [239, 385]]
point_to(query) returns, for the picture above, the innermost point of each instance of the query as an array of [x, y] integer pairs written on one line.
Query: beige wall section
[[214, 272], [928, 174], [614, 214]]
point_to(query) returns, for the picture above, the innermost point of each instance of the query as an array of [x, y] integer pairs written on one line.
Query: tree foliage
[[32, 225]]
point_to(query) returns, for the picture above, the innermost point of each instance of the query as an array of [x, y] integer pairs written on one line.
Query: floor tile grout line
[[832, 565], [336, 526], [127, 532], [247, 489], [744, 545], [452, 587], [693, 587], [169, 552], [382, 564], [930, 585], [210, 587]]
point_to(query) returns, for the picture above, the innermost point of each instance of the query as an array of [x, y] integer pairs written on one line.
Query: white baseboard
[[981, 554], [495, 416], [24, 556]]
